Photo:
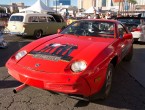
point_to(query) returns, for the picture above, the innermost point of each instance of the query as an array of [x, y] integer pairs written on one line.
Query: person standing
[[67, 14], [108, 15], [96, 15]]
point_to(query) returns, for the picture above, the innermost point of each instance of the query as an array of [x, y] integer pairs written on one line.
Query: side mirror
[[127, 36]]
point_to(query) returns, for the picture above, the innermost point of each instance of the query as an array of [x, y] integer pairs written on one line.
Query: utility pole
[[56, 6]]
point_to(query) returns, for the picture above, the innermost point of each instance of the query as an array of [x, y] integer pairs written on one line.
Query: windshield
[[91, 28], [16, 18]]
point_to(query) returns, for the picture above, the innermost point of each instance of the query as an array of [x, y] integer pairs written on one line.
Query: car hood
[[55, 55]]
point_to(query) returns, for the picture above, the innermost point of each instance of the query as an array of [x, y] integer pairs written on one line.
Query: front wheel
[[108, 82], [104, 92]]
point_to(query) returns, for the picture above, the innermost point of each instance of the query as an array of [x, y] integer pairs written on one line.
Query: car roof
[[36, 14], [102, 20], [129, 17]]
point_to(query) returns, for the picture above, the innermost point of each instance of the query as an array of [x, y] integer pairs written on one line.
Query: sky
[[28, 2]]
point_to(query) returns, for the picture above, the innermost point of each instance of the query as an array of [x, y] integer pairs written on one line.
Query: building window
[[103, 2], [63, 2]]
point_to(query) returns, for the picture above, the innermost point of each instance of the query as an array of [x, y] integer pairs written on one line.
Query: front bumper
[[16, 33], [63, 83]]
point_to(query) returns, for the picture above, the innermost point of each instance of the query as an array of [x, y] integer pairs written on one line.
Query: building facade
[[62, 2], [86, 4], [140, 2], [13, 7], [107, 4]]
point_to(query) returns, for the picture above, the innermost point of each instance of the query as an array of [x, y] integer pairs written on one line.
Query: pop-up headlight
[[20, 54]]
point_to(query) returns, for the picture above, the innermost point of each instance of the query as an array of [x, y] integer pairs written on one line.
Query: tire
[[129, 56], [103, 94], [108, 82], [37, 34]]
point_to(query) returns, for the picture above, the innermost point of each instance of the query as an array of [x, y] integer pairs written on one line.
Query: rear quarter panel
[[47, 28], [52, 27], [30, 28]]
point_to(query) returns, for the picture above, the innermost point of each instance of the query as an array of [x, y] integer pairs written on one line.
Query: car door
[[52, 25], [124, 44]]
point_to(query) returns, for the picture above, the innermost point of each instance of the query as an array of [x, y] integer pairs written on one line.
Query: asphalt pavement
[[136, 68]]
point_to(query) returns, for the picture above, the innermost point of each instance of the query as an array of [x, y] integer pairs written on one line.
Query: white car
[[136, 26], [139, 33]]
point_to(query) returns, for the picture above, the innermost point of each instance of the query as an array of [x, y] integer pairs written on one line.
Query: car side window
[[57, 18], [33, 19], [50, 19], [121, 31], [42, 19]]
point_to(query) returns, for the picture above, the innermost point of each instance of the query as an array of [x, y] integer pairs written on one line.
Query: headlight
[[20, 54], [78, 66]]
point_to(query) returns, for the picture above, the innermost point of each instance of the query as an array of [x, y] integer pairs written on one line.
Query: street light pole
[[56, 6]]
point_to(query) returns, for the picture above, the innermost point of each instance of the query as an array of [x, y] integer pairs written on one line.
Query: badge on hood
[[55, 52]]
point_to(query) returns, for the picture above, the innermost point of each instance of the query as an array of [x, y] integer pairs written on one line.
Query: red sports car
[[77, 61]]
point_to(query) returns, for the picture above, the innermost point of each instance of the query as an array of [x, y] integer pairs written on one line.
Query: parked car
[[79, 61], [136, 25], [3, 43], [34, 24]]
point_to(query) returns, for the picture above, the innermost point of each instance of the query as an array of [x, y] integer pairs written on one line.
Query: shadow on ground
[[5, 54], [9, 84]]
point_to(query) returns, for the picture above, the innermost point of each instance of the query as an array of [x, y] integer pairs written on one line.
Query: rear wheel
[[37, 34]]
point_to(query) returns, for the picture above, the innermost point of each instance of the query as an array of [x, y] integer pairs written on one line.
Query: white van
[[34, 24]]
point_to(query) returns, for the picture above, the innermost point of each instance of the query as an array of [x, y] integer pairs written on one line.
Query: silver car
[[3, 43]]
